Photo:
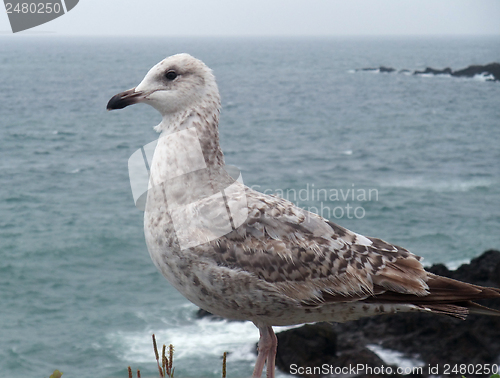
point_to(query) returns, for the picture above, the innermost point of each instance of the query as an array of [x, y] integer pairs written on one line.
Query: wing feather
[[313, 260]]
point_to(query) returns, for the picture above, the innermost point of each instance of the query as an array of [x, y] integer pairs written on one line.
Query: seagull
[[245, 255]]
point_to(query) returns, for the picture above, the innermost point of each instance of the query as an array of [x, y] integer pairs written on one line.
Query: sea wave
[[453, 185], [195, 340], [393, 357]]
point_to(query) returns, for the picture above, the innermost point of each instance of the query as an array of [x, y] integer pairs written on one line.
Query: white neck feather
[[189, 141]]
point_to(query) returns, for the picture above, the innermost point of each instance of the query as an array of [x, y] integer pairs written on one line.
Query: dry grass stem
[[157, 356], [224, 365], [170, 359], [166, 369], [164, 361]]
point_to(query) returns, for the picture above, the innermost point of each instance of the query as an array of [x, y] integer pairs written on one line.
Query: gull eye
[[171, 75]]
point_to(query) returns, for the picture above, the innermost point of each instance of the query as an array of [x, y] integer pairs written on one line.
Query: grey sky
[[275, 17]]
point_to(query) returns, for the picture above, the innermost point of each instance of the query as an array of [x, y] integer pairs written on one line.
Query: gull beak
[[124, 99]]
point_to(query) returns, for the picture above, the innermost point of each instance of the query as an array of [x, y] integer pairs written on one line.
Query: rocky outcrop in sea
[[490, 72]]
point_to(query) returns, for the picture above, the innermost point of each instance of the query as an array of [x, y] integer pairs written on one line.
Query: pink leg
[[271, 355], [267, 352]]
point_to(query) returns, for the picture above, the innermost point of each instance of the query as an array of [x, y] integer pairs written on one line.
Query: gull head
[[177, 84]]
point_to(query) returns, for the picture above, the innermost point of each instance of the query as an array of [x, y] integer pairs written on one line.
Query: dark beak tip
[[113, 102], [124, 99]]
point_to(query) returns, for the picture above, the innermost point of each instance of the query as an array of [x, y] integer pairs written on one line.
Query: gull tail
[[446, 296], [461, 310]]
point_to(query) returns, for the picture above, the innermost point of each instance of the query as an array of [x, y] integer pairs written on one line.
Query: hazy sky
[[275, 17]]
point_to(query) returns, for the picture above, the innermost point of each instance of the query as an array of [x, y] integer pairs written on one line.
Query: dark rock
[[386, 69], [440, 270], [379, 69], [483, 270], [492, 69], [429, 70], [471, 71], [201, 313], [434, 339], [367, 69], [489, 69], [309, 345], [314, 346]]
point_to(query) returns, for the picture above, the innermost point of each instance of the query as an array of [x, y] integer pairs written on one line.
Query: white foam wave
[[202, 338], [195, 340], [435, 75], [484, 77], [393, 357], [422, 183], [451, 265], [479, 77], [455, 264]]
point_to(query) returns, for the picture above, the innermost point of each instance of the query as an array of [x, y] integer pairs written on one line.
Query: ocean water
[[413, 160]]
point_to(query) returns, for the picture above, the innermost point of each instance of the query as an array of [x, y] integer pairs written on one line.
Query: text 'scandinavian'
[[244, 255]]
